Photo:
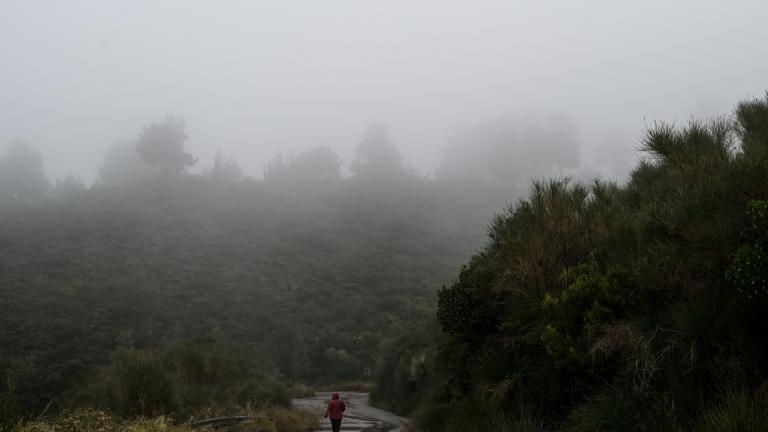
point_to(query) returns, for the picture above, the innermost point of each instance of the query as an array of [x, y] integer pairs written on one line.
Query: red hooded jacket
[[335, 408]]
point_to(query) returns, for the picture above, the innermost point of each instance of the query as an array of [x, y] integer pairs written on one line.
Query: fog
[[252, 79]]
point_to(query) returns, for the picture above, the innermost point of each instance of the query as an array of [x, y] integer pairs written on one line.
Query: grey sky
[[253, 78]]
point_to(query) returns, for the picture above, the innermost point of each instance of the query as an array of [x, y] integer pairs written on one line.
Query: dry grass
[[270, 419], [641, 360], [89, 420]]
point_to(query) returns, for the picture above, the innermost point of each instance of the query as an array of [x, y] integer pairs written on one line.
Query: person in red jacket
[[334, 411]]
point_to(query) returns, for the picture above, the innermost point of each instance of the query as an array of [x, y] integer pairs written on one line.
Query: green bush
[[404, 363], [136, 383], [749, 272], [574, 314], [215, 372], [200, 377], [470, 414], [431, 417]]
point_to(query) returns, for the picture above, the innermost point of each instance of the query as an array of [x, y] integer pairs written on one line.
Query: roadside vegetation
[[608, 307], [91, 420]]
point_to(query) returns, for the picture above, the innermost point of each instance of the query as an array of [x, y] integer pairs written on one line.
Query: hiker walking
[[334, 411]]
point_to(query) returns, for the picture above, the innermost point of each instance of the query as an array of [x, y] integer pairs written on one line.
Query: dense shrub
[[606, 307], [204, 378], [135, 383]]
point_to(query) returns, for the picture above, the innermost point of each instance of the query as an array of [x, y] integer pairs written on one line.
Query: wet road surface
[[359, 415]]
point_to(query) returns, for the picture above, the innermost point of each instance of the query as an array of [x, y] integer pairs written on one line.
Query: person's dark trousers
[[336, 425]]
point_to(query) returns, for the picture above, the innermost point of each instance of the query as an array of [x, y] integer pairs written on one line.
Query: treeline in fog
[[506, 153]]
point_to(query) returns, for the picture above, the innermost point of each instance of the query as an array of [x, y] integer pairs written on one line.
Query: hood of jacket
[[335, 396]]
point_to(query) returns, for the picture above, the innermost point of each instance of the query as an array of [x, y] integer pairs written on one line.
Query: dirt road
[[359, 416]]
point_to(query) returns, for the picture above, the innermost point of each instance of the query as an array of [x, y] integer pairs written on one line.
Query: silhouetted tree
[[123, 166], [21, 174], [377, 157], [162, 145], [275, 171], [320, 163], [225, 169], [67, 188]]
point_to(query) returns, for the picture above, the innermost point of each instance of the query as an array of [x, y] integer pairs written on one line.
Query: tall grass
[[523, 420], [621, 409], [737, 410], [9, 412]]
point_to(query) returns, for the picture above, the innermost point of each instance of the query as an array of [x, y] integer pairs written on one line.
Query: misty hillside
[[311, 274], [494, 216]]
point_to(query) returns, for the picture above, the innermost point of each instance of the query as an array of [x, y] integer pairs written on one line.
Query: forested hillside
[[609, 307], [496, 216], [307, 276]]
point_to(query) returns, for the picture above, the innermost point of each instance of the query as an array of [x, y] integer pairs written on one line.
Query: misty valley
[[383, 216], [167, 297]]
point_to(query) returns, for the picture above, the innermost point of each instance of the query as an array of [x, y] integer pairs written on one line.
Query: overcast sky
[[254, 77]]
